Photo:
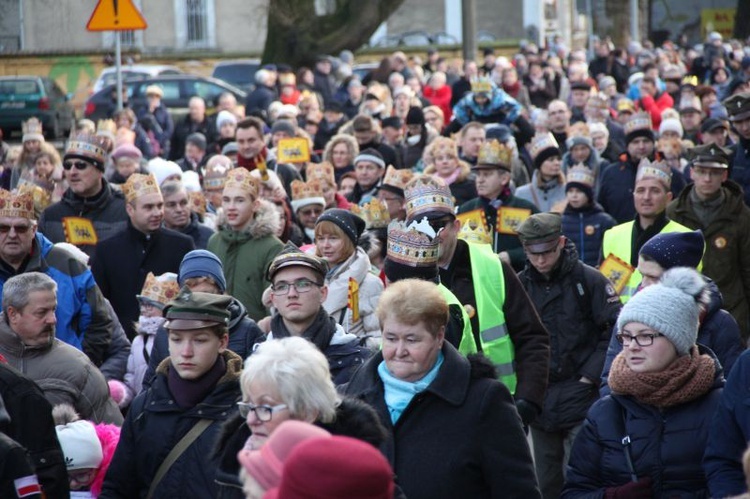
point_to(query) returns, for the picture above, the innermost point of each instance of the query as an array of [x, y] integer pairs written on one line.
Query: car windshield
[[18, 87], [111, 78], [236, 73]]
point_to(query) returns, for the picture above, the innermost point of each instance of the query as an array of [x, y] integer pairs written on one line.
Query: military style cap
[[738, 106], [195, 310], [540, 232], [292, 256], [710, 156]]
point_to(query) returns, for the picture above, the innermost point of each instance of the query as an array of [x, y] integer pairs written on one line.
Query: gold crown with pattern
[[637, 122], [598, 101], [19, 205], [306, 190], [87, 146], [397, 178], [138, 185], [240, 178], [106, 128], [579, 129], [481, 86], [493, 153], [374, 213], [581, 174], [32, 129], [474, 232], [427, 194], [322, 172], [542, 142], [161, 290], [197, 202], [42, 197], [413, 245], [654, 169], [216, 177]]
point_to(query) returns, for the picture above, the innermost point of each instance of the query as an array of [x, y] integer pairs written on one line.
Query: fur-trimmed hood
[[465, 170], [266, 221]]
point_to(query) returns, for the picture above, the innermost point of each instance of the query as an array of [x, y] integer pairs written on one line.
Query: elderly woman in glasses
[[647, 438], [453, 430], [287, 379]]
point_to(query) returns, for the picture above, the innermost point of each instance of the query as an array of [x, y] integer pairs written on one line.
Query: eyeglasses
[[20, 229], [78, 165], [82, 477], [264, 413], [301, 285], [439, 224], [642, 340]]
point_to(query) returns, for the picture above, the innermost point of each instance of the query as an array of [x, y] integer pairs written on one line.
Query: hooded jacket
[[585, 227], [246, 255], [547, 196]]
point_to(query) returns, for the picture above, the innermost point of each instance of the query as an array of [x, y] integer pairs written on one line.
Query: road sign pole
[[118, 63]]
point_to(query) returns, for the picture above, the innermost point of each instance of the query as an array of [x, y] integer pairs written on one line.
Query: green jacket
[[727, 255], [246, 255]]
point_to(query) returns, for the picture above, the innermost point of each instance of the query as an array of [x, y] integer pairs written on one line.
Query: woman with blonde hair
[[441, 160], [340, 151]]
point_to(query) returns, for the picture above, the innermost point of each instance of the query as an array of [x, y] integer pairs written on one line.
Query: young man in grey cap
[[578, 306]]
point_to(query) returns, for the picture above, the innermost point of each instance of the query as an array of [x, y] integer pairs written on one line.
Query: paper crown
[[493, 153], [306, 190], [541, 142], [322, 172], [160, 290], [397, 178], [654, 169], [374, 213], [240, 178], [638, 122], [89, 147], [690, 80], [19, 205], [581, 174], [413, 245], [32, 129], [481, 85], [598, 101], [579, 129], [197, 202], [669, 147], [216, 177], [138, 185], [472, 231], [41, 196], [106, 128], [426, 194]]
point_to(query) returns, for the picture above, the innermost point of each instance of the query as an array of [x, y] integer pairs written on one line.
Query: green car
[[23, 97]]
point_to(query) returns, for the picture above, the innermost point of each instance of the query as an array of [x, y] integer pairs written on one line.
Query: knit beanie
[[371, 155], [352, 225], [671, 125], [80, 445], [202, 263], [670, 307], [675, 249], [163, 169], [415, 116], [225, 117], [198, 140]]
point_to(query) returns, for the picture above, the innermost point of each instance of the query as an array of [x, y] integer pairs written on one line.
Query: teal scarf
[[398, 393]]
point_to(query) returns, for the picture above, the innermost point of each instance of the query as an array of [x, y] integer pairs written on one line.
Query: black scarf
[[189, 392], [319, 332]]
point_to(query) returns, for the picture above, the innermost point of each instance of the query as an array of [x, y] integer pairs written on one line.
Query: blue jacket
[[666, 445], [585, 227], [730, 432], [501, 108], [82, 314]]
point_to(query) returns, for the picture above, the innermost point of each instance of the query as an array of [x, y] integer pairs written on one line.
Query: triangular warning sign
[[116, 15]]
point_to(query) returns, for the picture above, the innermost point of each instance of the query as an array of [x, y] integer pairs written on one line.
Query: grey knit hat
[[671, 307]]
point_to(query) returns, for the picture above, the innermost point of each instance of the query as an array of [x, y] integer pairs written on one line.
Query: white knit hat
[[161, 168], [80, 445], [225, 117], [671, 124], [671, 307]]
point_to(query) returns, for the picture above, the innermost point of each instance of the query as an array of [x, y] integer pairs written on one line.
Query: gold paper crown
[[410, 246], [32, 129], [494, 153], [579, 129], [475, 232], [654, 169], [138, 185], [581, 174], [397, 178], [639, 121], [240, 178], [19, 205], [161, 290], [88, 147], [323, 172], [481, 86], [542, 142], [306, 190], [690, 80], [107, 128], [374, 213], [598, 101], [215, 177], [197, 201], [42, 197], [670, 147], [425, 194]]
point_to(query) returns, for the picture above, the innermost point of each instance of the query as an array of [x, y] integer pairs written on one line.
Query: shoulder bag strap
[[176, 452]]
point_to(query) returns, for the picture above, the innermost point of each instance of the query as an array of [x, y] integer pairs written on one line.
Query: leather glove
[[527, 410], [631, 490]]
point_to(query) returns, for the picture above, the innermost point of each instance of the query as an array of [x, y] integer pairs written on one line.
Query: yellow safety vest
[[467, 337]]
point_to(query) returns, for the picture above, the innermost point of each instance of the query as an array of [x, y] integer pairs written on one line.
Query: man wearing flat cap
[[578, 306], [715, 204], [195, 390], [738, 109]]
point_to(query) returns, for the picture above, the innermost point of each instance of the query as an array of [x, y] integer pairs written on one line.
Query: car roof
[[22, 77], [173, 77], [145, 68], [231, 62]]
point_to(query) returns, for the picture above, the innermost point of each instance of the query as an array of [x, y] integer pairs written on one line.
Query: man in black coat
[[195, 121], [144, 246], [179, 216]]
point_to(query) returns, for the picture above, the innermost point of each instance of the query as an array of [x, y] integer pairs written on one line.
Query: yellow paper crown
[[197, 201], [581, 174], [542, 142], [481, 86], [374, 213], [494, 153], [414, 245], [690, 80], [107, 128], [579, 129], [322, 172], [215, 177], [32, 129], [240, 178], [42, 197], [89, 147], [19, 205], [654, 169], [139, 185], [639, 121], [670, 147], [160, 290], [397, 178], [427, 194], [306, 190], [475, 232]]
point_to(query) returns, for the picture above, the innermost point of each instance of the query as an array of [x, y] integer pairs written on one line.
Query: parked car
[[365, 68], [108, 76], [178, 89], [238, 72], [22, 97]]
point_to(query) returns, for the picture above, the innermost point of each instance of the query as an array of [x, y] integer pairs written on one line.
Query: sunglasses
[[78, 165], [20, 229]]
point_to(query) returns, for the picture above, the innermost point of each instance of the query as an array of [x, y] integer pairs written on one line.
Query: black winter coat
[[461, 437], [187, 127], [585, 228], [199, 232]]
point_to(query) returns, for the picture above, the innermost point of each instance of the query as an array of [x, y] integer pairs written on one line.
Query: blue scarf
[[398, 393]]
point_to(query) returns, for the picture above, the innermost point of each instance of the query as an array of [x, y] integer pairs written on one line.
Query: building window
[[127, 38], [196, 22]]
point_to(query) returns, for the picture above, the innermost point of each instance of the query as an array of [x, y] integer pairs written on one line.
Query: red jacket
[[656, 106], [440, 98]]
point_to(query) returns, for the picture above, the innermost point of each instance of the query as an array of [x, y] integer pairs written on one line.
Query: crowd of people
[[518, 277]]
